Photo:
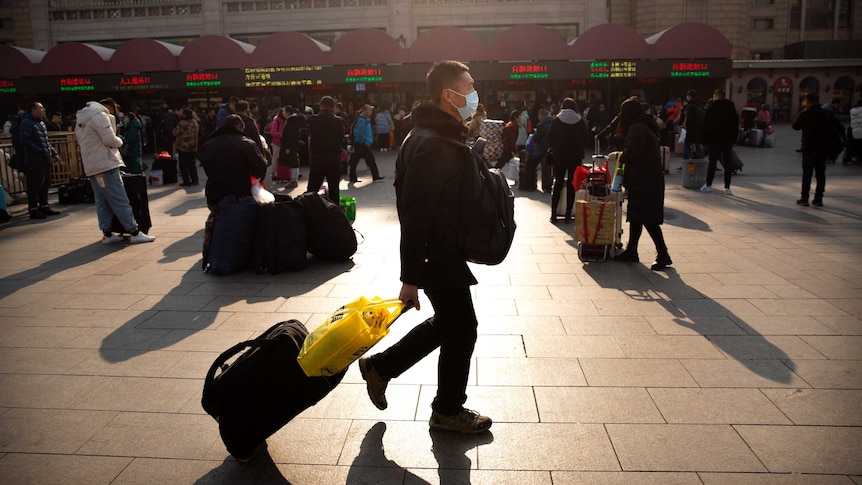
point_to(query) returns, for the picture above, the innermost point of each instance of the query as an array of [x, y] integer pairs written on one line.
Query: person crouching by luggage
[[644, 181], [427, 191], [720, 130], [230, 159], [38, 154], [325, 135], [567, 135], [96, 131], [186, 134]]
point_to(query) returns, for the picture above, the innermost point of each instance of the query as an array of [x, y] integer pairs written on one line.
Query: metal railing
[[68, 167], [111, 3]]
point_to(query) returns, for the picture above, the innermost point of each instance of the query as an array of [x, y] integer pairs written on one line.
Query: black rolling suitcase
[[280, 239], [136, 190], [263, 389]]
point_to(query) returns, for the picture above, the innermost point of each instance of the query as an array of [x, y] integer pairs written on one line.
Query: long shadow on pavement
[[259, 469]]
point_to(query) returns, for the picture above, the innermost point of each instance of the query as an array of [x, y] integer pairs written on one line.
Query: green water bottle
[[348, 205]]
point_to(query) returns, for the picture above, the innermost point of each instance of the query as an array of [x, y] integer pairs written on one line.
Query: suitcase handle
[[229, 353]]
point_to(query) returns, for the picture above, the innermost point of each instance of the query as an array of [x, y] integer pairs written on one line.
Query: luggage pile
[[598, 215], [276, 237]]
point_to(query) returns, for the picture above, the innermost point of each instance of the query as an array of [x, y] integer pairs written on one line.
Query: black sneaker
[[374, 382], [48, 211], [627, 256], [467, 421], [36, 214], [661, 262], [817, 202], [802, 202], [375, 179]]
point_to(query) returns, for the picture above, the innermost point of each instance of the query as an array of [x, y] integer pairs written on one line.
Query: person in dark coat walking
[[720, 130], [692, 121], [567, 136], [816, 124], [325, 136], [428, 187], [38, 155], [644, 181]]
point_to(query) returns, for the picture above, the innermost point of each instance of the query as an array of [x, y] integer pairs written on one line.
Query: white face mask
[[469, 109]]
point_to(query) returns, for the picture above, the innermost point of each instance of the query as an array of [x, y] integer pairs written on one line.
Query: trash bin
[[694, 173]]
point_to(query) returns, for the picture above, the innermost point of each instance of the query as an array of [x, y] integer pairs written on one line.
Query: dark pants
[[362, 151], [453, 330], [325, 166], [723, 153], [383, 140], [813, 163], [654, 231], [188, 169], [528, 177], [38, 183], [564, 173]]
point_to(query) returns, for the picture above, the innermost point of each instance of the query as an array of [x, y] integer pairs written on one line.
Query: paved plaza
[[741, 365]]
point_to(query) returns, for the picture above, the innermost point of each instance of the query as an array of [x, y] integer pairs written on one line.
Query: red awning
[[366, 47], [442, 43], [289, 49], [17, 62], [145, 55], [215, 52], [76, 58], [527, 43], [609, 41], [690, 41]]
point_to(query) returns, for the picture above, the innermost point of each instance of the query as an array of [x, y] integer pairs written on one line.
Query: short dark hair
[[233, 99], [241, 106], [812, 98], [32, 106], [720, 93], [340, 105], [514, 115], [692, 93], [108, 102], [234, 121], [188, 114], [57, 113], [327, 102], [442, 75], [569, 103]]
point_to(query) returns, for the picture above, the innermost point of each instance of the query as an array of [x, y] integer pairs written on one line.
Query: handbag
[[17, 162], [347, 334], [682, 134]]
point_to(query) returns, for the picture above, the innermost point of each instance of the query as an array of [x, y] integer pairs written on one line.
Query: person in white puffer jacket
[[96, 131], [854, 141]]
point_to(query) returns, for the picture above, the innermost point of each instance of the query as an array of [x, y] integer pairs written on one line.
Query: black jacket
[[720, 123], [567, 135], [326, 134], [252, 133], [693, 121], [230, 159], [815, 123], [644, 175], [428, 190], [290, 140], [34, 139]]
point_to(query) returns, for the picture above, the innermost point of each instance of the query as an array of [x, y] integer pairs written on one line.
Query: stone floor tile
[[124, 338], [681, 447], [607, 325], [521, 325], [258, 322], [529, 372], [132, 363], [789, 292], [227, 289], [111, 302], [837, 348], [797, 307], [65, 469], [823, 407], [782, 325], [667, 347], [701, 325], [309, 441], [424, 476], [828, 450], [748, 291], [543, 307], [716, 406], [40, 361], [490, 308], [595, 346], [772, 479], [154, 435], [312, 474], [201, 340], [185, 320], [190, 365], [624, 478], [762, 278], [548, 446], [849, 305], [596, 405], [636, 373], [144, 471], [59, 431], [503, 404], [488, 292], [723, 308], [843, 325], [91, 318], [830, 374], [287, 290], [577, 292], [251, 304], [499, 346], [45, 391], [350, 401], [44, 337], [771, 347], [746, 373], [156, 395]]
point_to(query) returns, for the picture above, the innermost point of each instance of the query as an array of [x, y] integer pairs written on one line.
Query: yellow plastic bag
[[347, 334]]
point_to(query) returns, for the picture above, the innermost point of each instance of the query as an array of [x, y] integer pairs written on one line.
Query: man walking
[[428, 183], [363, 138], [816, 125], [720, 130], [96, 131], [325, 133], [38, 154]]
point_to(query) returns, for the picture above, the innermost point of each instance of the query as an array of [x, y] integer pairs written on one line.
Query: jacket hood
[[649, 121], [429, 116], [569, 116], [224, 131], [87, 113]]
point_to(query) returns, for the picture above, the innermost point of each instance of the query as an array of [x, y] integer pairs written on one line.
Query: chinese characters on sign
[[599, 69], [364, 75], [624, 69], [76, 84], [202, 79], [7, 87], [529, 71], [267, 77], [689, 69]]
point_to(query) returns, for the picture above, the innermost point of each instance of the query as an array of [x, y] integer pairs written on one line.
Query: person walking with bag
[[186, 133], [720, 130], [816, 124], [428, 188], [363, 138], [644, 181], [567, 135]]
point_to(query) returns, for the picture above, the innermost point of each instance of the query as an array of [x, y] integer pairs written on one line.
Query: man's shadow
[[648, 288], [450, 452], [259, 469]]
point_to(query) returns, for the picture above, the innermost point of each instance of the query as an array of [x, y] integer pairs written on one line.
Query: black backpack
[[835, 138], [280, 241], [487, 226], [330, 236]]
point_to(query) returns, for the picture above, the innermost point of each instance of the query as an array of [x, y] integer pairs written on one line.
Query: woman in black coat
[[567, 136], [644, 181]]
